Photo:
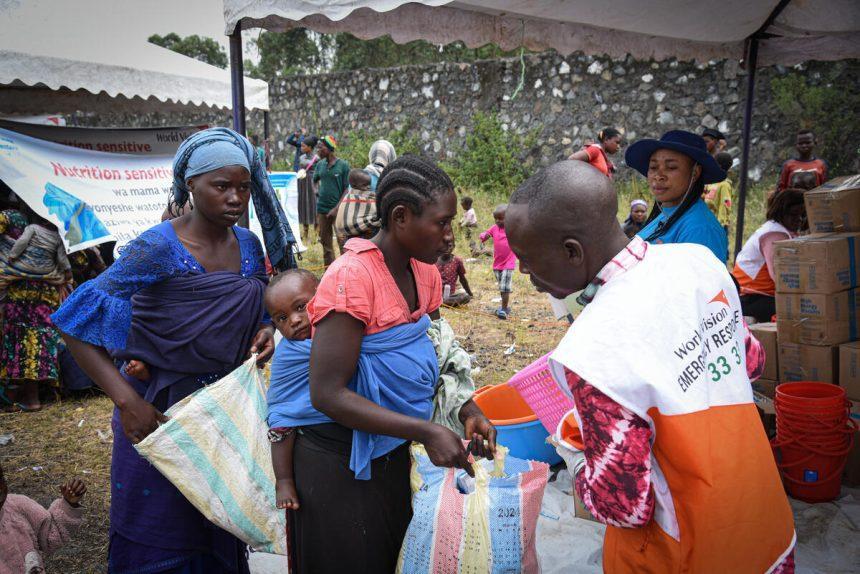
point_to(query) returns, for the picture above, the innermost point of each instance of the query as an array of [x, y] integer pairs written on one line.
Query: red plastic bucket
[[813, 438], [810, 394]]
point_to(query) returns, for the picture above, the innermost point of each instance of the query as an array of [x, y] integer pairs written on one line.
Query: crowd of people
[[354, 379]]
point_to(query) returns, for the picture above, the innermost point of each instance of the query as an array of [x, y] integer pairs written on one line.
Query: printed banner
[[287, 190], [135, 141], [92, 197], [95, 197]]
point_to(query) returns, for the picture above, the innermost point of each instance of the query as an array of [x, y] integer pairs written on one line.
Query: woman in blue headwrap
[[186, 298]]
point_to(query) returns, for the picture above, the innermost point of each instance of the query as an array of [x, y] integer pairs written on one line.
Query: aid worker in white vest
[[678, 465], [754, 272]]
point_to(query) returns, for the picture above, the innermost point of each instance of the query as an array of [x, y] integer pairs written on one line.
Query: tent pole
[[751, 63], [237, 83], [237, 79], [266, 137]]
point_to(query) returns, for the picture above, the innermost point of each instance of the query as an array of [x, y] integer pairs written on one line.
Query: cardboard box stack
[[765, 387], [818, 296]]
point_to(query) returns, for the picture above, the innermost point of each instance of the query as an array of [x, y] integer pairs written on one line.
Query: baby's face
[[287, 304]]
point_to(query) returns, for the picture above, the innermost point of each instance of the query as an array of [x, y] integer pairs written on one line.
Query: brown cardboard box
[[849, 368], [764, 391], [766, 334], [808, 363], [834, 206], [818, 319], [818, 263], [579, 509]]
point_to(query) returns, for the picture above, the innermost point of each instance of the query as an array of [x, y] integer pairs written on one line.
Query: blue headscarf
[[212, 149]]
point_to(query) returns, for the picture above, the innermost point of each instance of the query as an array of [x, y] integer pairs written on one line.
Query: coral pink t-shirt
[[359, 283]]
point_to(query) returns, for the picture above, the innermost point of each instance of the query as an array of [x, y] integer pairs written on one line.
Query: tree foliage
[[351, 53], [831, 110], [301, 51], [194, 46], [490, 162], [286, 53]]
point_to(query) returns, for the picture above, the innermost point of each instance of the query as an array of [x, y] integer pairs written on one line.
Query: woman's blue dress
[[157, 304]]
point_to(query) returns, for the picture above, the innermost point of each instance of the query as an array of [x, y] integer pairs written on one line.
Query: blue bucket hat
[[638, 155]]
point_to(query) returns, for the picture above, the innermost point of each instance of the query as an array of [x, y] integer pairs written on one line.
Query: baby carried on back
[[397, 369], [38, 254]]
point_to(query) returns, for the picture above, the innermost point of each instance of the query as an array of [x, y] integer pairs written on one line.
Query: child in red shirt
[[598, 154], [451, 268], [805, 161]]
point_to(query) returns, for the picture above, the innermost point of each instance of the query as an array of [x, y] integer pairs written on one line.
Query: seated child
[[38, 253], [286, 298], [504, 260], [451, 268], [28, 532]]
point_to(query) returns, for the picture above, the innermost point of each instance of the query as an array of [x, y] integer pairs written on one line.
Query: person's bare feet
[[286, 496], [23, 398], [137, 369]]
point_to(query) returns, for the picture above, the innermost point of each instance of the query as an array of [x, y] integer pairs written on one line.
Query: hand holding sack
[[486, 524], [215, 450]]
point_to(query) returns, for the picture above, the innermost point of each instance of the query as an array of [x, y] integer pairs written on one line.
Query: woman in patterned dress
[[28, 354]]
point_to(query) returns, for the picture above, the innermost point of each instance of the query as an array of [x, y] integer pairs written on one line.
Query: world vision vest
[[665, 339], [750, 266]]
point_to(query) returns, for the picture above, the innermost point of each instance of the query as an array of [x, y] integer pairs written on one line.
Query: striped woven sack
[[356, 214], [214, 449], [481, 526]]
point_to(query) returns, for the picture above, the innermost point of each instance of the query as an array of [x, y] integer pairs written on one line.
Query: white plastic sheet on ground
[[827, 534]]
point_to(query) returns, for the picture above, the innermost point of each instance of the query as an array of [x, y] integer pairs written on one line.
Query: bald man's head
[[561, 223]]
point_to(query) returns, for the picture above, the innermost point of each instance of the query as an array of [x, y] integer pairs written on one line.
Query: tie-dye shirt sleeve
[[615, 484]]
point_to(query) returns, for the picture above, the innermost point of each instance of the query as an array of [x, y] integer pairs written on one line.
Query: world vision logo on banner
[[710, 352]]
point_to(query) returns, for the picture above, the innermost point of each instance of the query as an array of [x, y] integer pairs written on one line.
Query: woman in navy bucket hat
[[678, 166]]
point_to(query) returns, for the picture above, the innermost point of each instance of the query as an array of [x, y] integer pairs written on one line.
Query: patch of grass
[[67, 439]]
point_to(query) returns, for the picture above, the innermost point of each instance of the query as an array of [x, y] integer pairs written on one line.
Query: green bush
[[356, 144], [832, 111], [491, 160]]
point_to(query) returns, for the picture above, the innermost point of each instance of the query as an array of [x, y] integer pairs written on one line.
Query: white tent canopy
[[49, 66], [760, 32], [804, 30]]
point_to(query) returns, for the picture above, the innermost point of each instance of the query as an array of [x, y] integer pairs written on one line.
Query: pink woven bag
[[540, 391]]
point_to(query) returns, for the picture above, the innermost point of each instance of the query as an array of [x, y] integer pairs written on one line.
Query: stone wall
[[566, 99]]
